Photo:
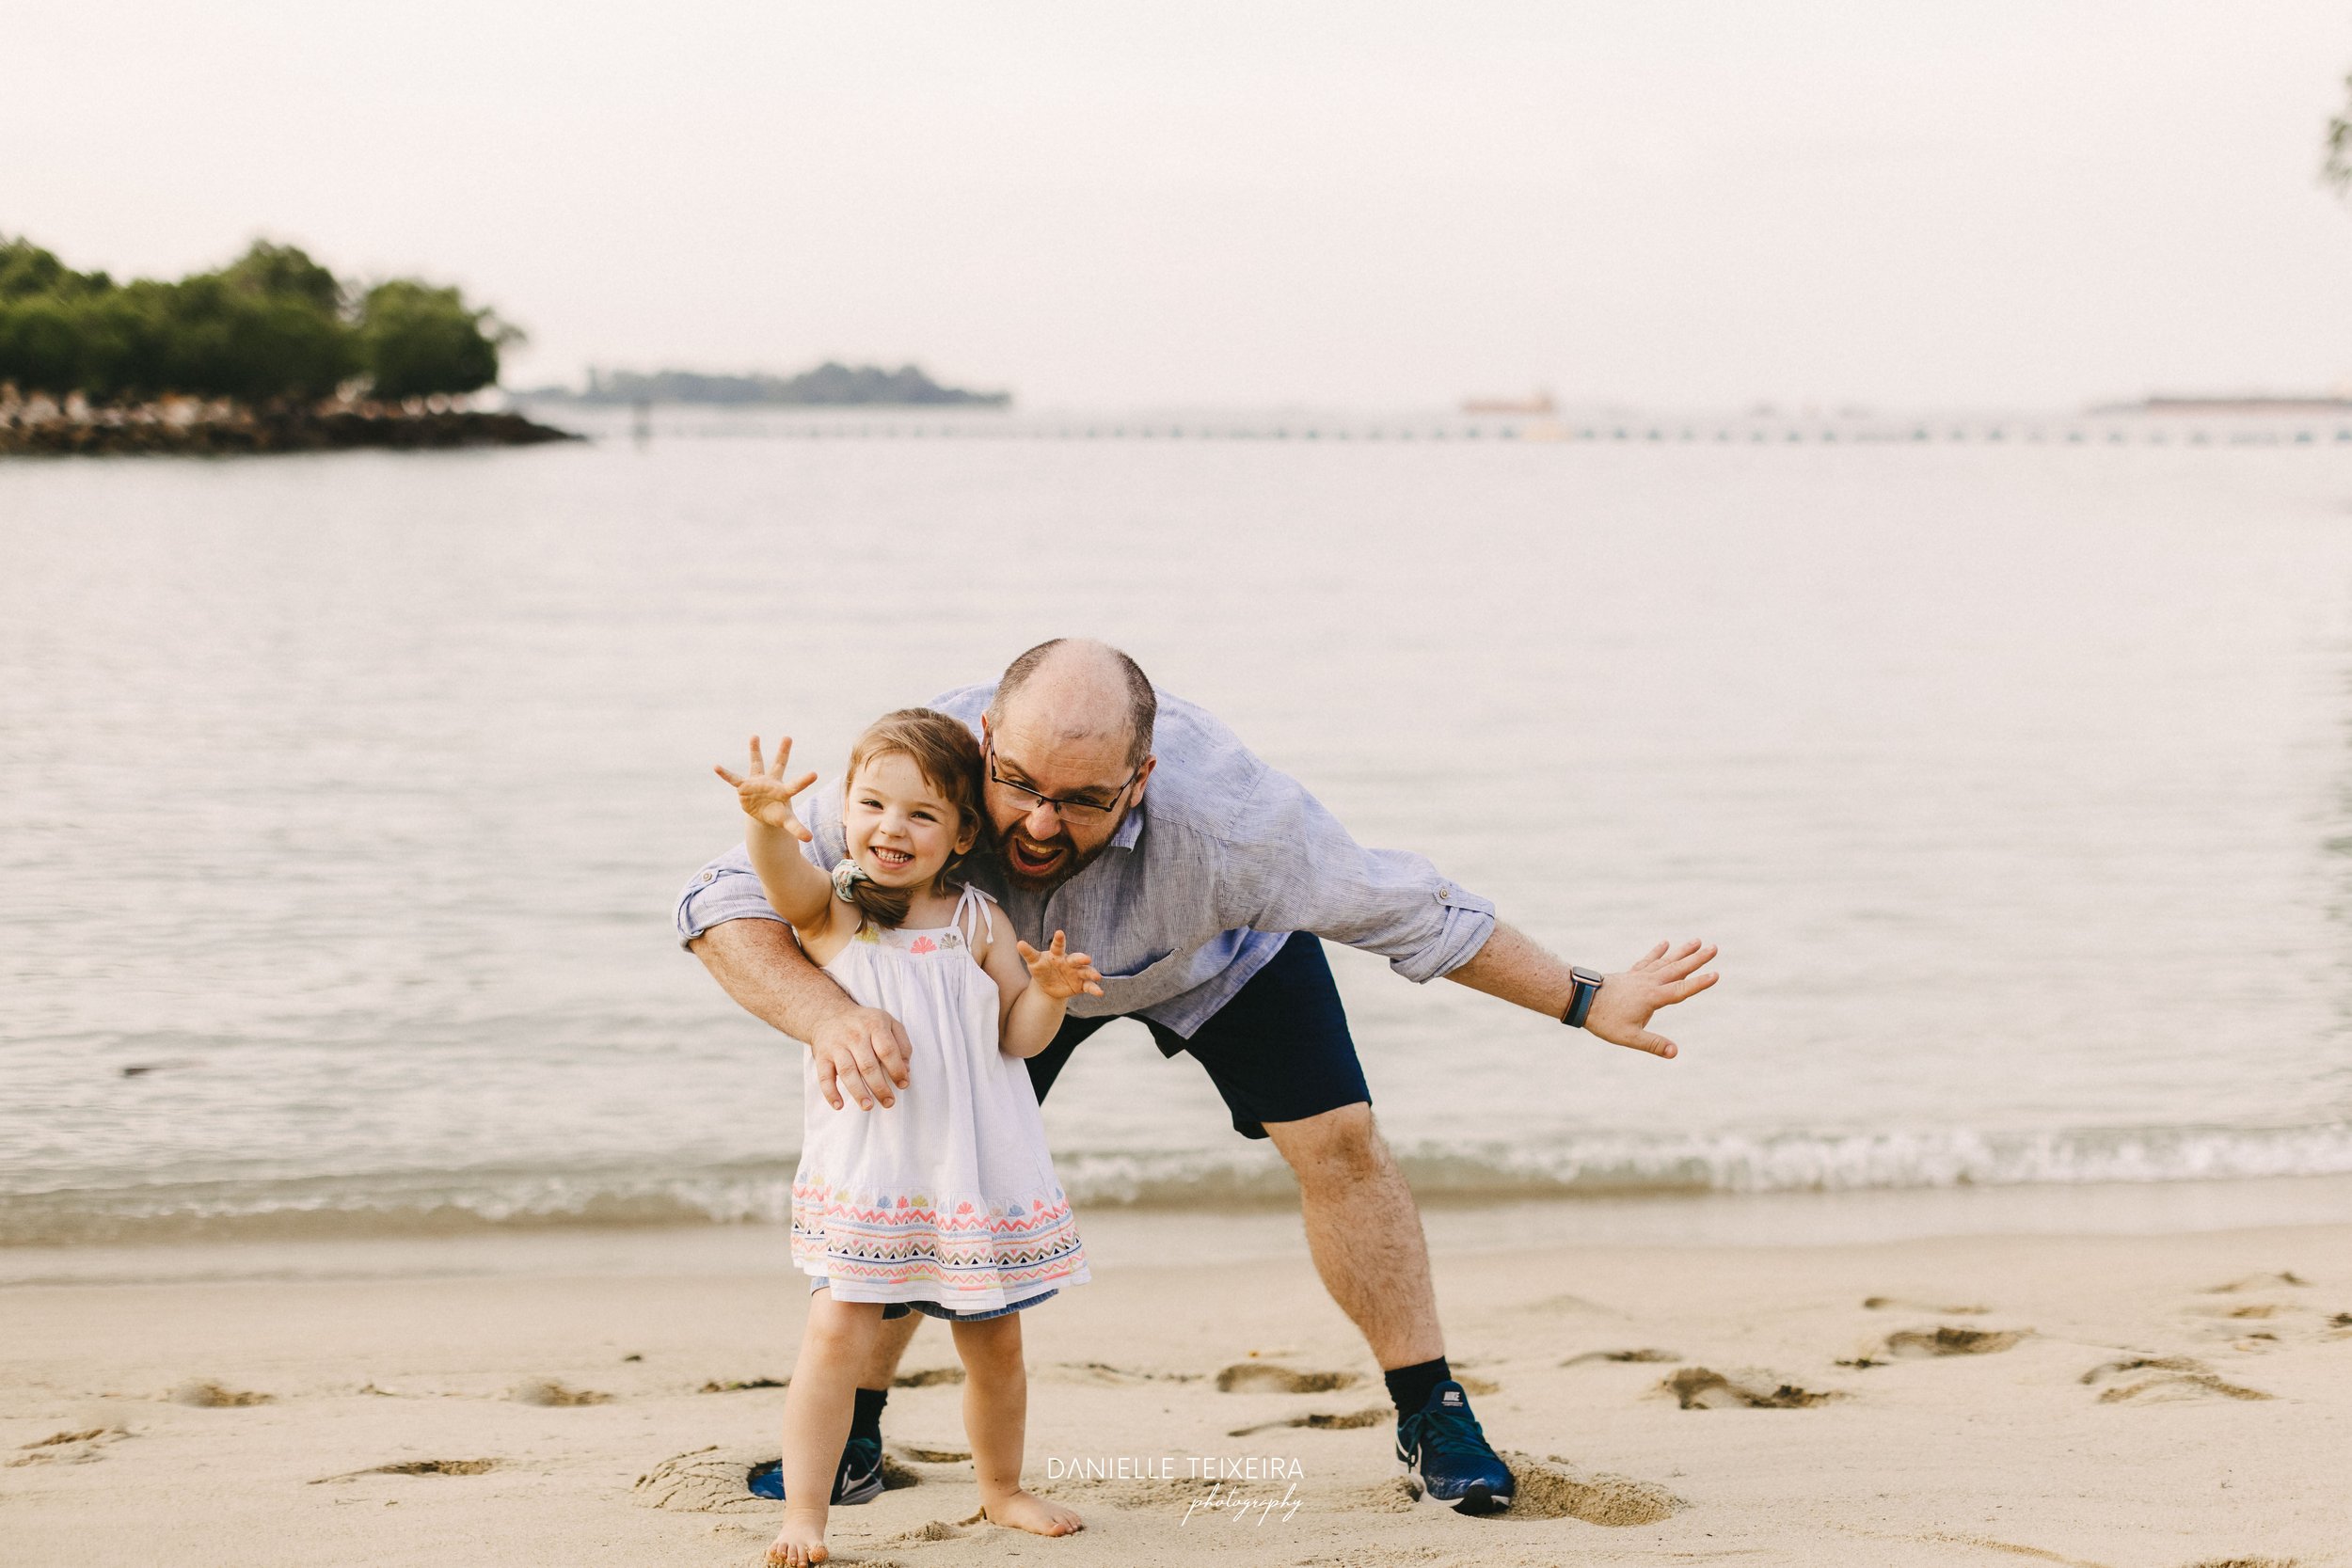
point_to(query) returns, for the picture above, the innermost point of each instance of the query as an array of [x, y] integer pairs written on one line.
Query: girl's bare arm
[[1037, 988]]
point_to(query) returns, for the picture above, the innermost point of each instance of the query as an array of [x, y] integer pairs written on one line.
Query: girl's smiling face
[[900, 827]]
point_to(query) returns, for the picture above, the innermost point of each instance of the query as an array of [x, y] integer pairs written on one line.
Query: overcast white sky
[[1940, 202]]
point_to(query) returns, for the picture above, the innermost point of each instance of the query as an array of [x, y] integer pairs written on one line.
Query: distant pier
[[928, 425]]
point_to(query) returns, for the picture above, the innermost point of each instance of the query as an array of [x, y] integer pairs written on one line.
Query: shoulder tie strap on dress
[[972, 917]]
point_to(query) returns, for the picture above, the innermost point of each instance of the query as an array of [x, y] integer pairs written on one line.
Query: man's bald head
[[1075, 690]]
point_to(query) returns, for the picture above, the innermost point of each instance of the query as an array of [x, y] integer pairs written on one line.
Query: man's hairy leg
[[858, 1051], [1365, 1232], [890, 1348]]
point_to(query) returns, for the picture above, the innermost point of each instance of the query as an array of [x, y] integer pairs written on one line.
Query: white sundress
[[949, 1196]]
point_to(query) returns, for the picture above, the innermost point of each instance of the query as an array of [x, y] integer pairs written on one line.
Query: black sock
[[1411, 1387], [867, 1423]]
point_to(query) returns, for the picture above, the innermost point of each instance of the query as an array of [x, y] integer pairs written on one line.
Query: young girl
[[944, 1203]]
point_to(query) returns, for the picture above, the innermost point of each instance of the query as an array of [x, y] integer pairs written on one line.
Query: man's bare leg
[[996, 1419], [1365, 1232], [890, 1347]]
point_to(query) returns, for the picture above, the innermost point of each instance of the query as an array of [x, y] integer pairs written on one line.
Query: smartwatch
[[1587, 986]]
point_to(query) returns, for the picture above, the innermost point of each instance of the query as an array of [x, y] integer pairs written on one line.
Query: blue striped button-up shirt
[[1198, 889]]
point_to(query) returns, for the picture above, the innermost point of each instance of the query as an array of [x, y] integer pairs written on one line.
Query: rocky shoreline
[[242, 431]]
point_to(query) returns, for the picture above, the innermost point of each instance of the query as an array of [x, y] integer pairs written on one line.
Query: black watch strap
[[1586, 987]]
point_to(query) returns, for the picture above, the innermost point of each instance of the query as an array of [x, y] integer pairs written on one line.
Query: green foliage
[[40, 343], [42, 309], [272, 327], [26, 270], [416, 341], [2337, 169], [281, 271]]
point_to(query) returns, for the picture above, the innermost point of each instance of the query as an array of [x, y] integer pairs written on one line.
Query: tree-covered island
[[270, 353], [829, 386]]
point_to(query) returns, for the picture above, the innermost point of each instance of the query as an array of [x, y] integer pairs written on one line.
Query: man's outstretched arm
[[760, 964], [1511, 965], [1397, 905]]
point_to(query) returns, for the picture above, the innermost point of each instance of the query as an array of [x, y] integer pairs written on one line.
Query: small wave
[[1817, 1161], [1595, 1166]]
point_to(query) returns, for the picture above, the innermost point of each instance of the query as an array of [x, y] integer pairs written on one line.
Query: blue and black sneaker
[[858, 1480], [1447, 1460]]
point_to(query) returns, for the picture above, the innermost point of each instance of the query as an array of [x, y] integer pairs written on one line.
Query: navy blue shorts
[[1279, 1051]]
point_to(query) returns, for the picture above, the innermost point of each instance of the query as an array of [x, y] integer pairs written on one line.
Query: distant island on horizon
[[2233, 403], [830, 384]]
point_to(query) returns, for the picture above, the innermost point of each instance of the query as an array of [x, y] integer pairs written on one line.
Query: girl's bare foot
[[1027, 1510], [802, 1541]]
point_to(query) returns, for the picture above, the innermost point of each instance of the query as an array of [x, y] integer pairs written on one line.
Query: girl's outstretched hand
[[765, 795], [1057, 971]]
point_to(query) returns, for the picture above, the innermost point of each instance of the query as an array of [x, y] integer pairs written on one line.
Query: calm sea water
[[351, 794]]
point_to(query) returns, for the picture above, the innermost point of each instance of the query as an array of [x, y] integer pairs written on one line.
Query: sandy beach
[[2134, 1401]]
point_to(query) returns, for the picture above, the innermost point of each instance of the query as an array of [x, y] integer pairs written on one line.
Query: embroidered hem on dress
[[906, 1247]]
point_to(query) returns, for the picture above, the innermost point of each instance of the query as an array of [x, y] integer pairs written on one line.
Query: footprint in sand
[[2255, 1310], [1265, 1377], [1324, 1421], [205, 1394], [1548, 1489], [2259, 1282], [938, 1529], [918, 1453], [707, 1480], [930, 1377], [1102, 1373], [1896, 1304], [1919, 1344], [1698, 1388], [2257, 1325], [1640, 1355], [718, 1480], [737, 1386], [418, 1467], [69, 1448], [547, 1391], [2165, 1378], [1556, 1489]]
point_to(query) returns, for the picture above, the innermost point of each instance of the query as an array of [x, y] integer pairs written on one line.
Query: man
[[1198, 879]]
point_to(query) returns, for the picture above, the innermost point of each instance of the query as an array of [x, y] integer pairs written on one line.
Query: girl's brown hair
[[949, 760]]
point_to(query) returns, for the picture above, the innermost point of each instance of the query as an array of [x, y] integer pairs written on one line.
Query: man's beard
[[1065, 866]]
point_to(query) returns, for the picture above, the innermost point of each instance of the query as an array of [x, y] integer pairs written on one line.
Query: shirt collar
[[1129, 831]]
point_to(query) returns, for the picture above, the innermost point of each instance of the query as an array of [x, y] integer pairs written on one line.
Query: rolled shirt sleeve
[[724, 890], [1297, 869], [728, 888]]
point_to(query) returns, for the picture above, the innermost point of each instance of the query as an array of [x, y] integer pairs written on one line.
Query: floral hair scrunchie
[[846, 875]]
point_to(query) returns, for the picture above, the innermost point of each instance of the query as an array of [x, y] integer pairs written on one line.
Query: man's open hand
[[1659, 978], [862, 1050]]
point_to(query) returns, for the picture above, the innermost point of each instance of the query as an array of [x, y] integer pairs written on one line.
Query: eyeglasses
[[1067, 810]]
